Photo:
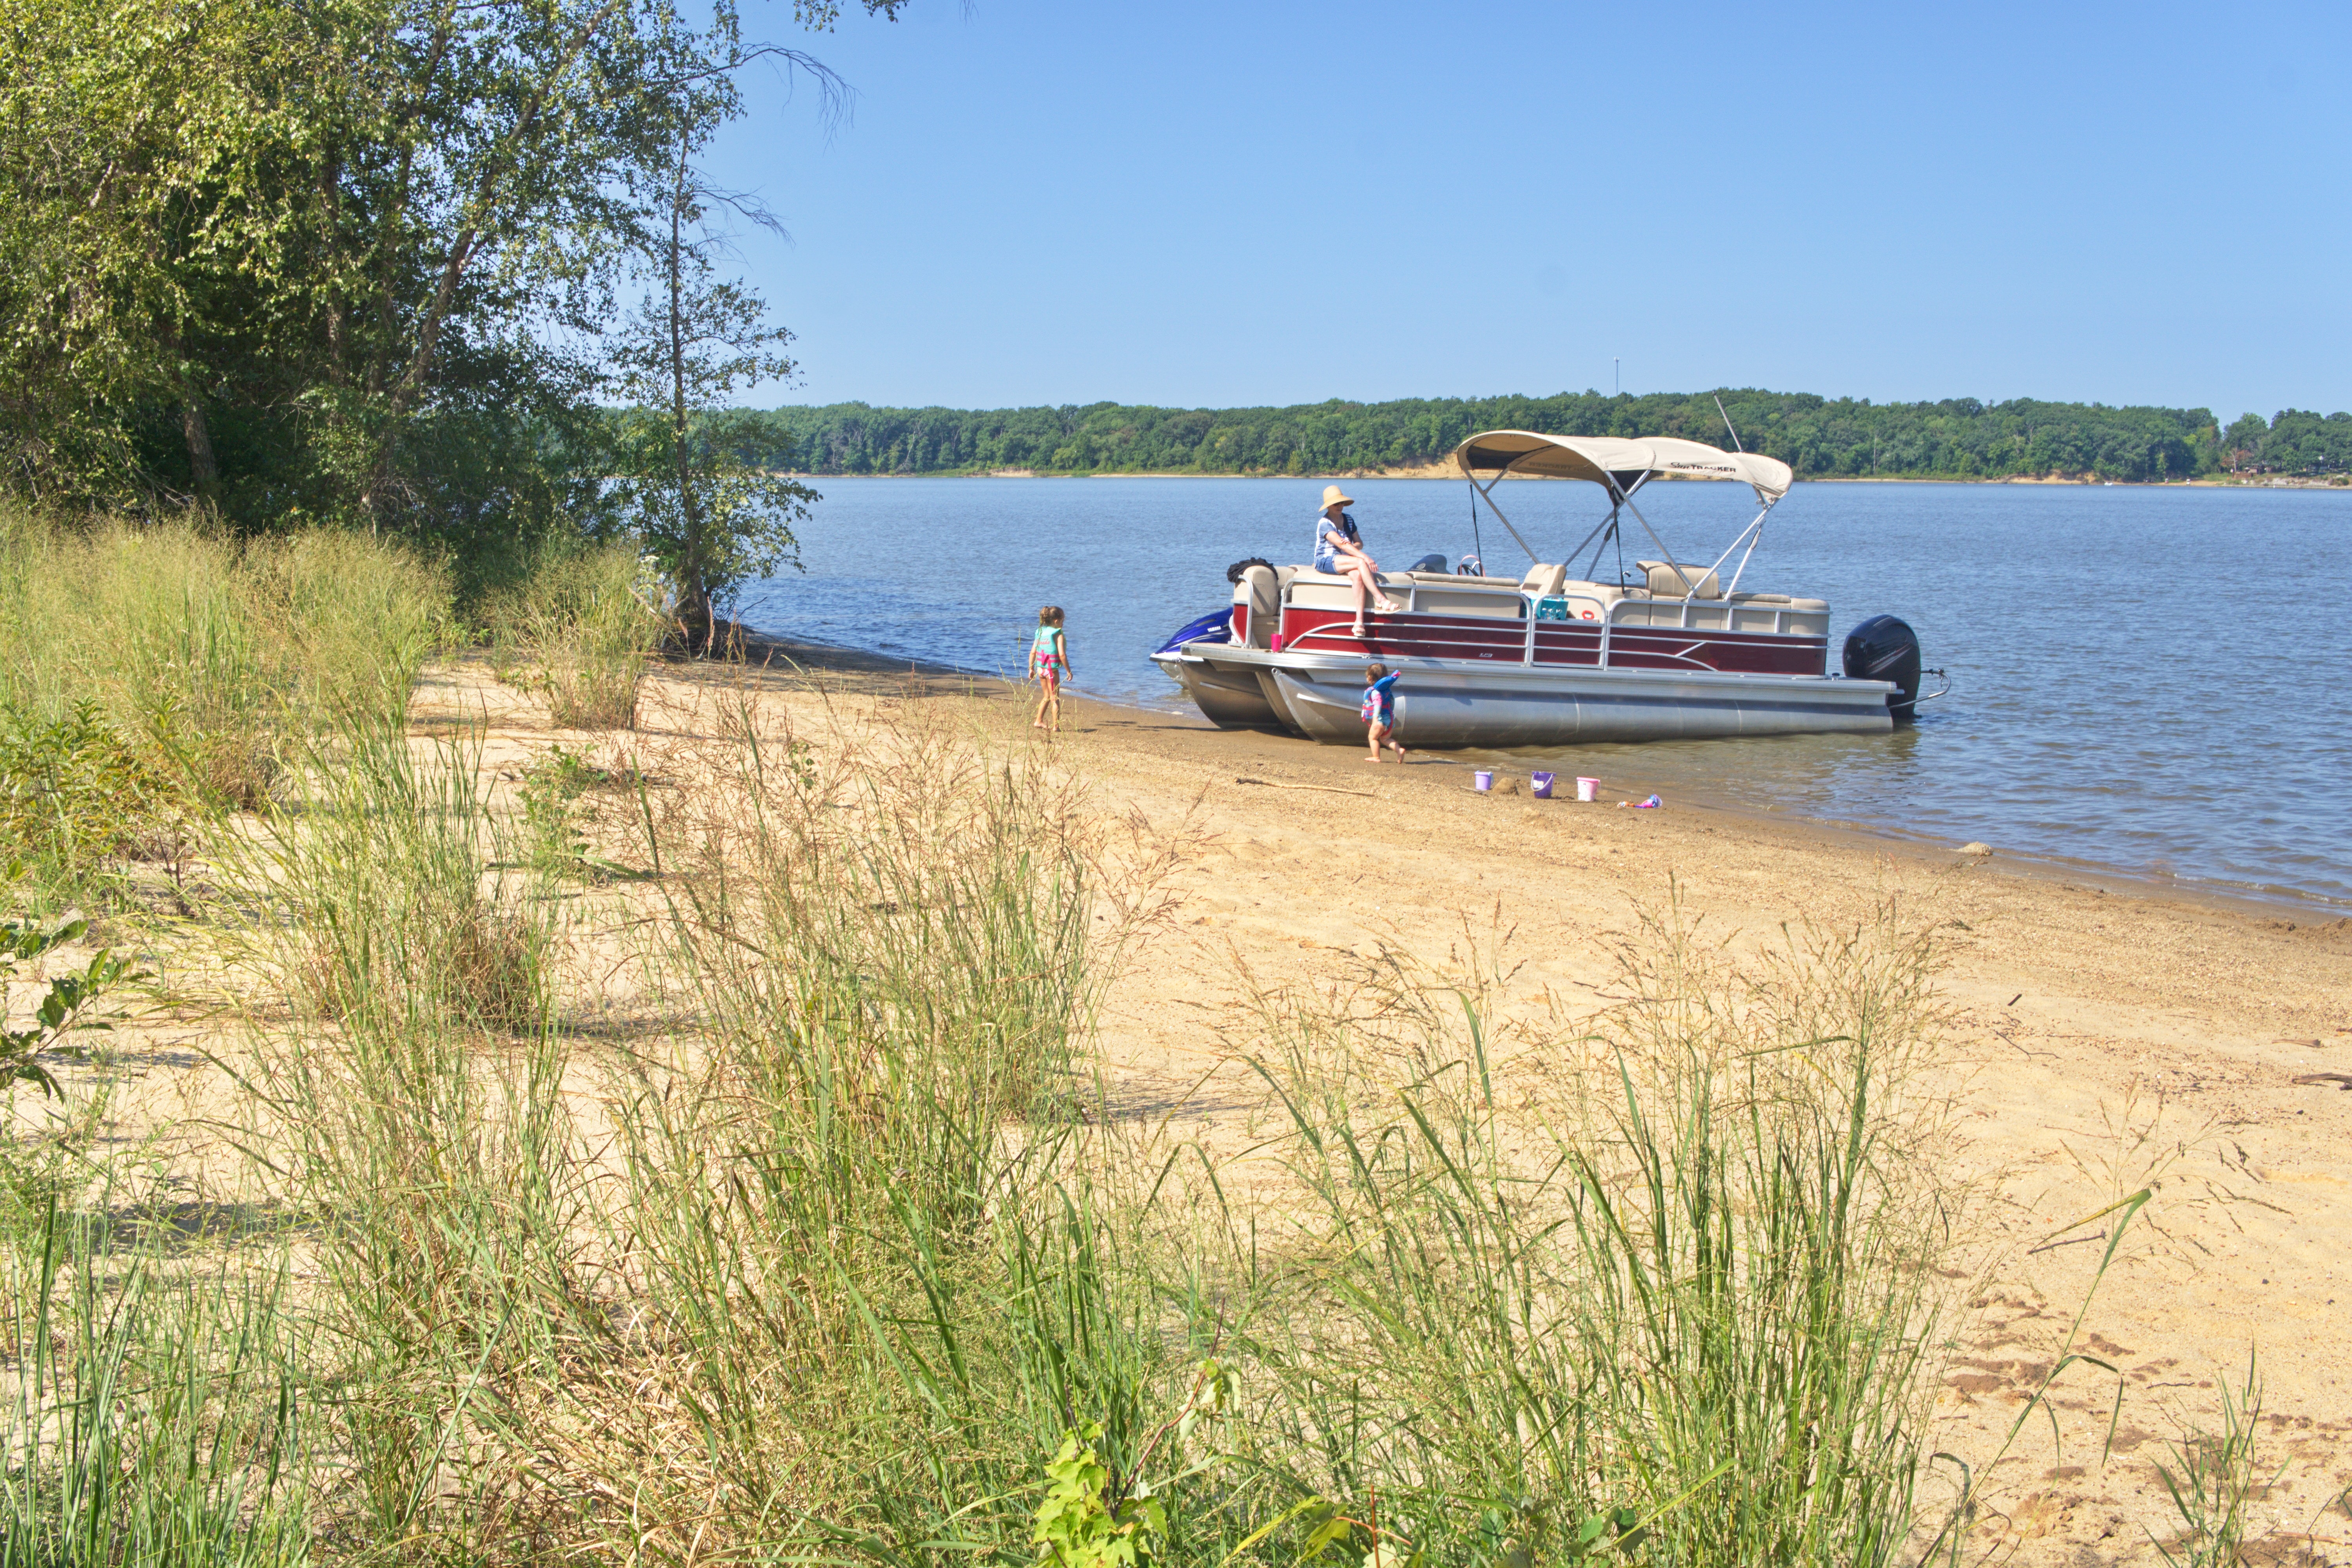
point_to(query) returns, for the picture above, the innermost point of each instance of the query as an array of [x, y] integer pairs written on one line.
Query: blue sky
[[1222, 203]]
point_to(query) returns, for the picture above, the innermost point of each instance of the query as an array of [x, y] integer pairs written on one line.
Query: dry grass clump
[[581, 624], [379, 896]]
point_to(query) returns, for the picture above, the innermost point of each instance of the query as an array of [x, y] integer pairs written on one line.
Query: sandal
[[1358, 630], [1390, 607]]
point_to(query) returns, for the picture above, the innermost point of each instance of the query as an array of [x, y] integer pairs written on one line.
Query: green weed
[[2213, 1480]]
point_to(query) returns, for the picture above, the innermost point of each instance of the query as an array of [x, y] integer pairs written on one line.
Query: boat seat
[[1259, 591], [1285, 575], [1445, 578], [1543, 581], [1668, 582]]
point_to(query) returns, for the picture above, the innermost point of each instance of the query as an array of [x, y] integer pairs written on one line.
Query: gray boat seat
[[1442, 578], [1258, 590], [1673, 582]]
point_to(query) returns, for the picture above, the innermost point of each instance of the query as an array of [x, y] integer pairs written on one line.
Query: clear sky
[[1216, 204]]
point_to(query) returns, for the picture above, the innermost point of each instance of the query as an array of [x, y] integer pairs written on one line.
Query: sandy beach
[[2101, 1039]]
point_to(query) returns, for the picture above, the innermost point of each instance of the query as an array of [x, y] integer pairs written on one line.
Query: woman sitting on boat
[[1340, 549]]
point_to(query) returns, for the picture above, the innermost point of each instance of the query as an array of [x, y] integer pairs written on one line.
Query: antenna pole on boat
[[1726, 424]]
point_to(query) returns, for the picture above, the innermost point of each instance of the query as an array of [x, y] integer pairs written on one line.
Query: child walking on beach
[[1049, 665], [1379, 713]]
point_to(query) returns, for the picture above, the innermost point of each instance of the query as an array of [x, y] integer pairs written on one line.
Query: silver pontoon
[[1670, 649]]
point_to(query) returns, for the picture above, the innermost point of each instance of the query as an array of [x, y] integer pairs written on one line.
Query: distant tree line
[[1959, 438]]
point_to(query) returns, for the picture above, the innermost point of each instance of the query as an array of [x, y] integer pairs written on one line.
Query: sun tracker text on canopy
[[1615, 463]]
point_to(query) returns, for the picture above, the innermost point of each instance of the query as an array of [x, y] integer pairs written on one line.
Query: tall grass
[[212, 647], [858, 1201], [844, 1254], [1686, 1322], [581, 623], [161, 670], [152, 1413]]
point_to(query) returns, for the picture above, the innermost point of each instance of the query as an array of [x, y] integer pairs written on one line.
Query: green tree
[[347, 260], [2242, 443], [691, 476]]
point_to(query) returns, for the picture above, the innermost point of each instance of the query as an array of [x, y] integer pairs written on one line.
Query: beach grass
[[811, 1230], [155, 673], [580, 628]]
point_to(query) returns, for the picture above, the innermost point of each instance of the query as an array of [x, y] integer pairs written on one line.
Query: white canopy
[[1615, 463]]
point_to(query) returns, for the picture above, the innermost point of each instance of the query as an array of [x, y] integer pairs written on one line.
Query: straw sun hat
[[1333, 496]]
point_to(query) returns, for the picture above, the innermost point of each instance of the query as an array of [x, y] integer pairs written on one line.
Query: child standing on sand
[[1379, 713], [1049, 665]]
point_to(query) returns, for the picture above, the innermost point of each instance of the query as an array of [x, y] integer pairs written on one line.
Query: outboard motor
[[1885, 648]]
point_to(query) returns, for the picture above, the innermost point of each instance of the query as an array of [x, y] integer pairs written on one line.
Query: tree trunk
[[693, 577], [199, 437]]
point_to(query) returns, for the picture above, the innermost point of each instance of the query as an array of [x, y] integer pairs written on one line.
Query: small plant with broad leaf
[[64, 1010], [1081, 1524]]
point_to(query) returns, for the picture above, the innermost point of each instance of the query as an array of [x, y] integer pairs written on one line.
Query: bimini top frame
[[1621, 467]]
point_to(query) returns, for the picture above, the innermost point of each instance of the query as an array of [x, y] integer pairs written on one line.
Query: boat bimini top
[[1621, 467], [1617, 464]]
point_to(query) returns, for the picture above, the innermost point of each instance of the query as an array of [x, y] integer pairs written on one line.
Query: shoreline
[[1439, 471], [2299, 911]]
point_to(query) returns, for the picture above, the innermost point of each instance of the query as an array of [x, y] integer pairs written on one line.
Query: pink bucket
[[1588, 789]]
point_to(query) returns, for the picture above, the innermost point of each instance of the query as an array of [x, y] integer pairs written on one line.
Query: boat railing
[[1746, 613]]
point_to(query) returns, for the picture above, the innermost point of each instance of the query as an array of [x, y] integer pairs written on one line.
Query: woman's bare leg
[[1367, 587]]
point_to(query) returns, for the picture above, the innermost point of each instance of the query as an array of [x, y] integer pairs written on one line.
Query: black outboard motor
[[1884, 648]]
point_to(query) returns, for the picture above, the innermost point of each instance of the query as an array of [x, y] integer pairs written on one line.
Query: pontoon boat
[[1670, 649]]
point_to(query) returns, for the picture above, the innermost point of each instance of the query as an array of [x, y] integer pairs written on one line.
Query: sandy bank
[[2102, 1039]]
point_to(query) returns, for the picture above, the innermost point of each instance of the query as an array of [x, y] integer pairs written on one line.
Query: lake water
[[2150, 679]]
